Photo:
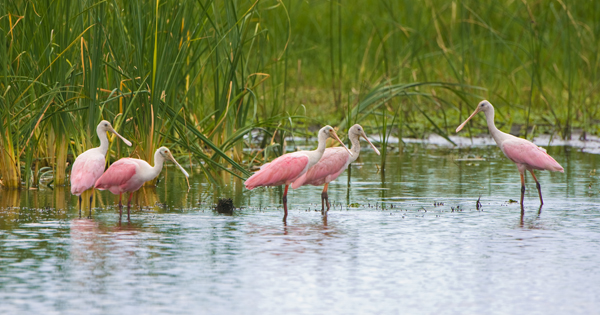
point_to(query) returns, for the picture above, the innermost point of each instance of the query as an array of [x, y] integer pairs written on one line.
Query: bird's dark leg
[[120, 206], [80, 206], [284, 200], [323, 202], [539, 187], [91, 199], [522, 188], [325, 198], [129, 205]]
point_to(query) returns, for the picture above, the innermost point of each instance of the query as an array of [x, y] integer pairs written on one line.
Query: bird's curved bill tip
[[127, 142], [467, 120], [179, 166], [371, 144], [185, 173]]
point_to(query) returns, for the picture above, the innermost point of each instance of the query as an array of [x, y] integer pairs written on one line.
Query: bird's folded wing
[[527, 153], [285, 168], [117, 174], [333, 162]]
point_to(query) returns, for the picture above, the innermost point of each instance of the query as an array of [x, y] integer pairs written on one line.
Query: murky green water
[[178, 256]]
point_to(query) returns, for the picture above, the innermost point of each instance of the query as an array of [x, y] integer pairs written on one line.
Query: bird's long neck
[[103, 140], [315, 155], [495, 132], [355, 147], [322, 144], [158, 165]]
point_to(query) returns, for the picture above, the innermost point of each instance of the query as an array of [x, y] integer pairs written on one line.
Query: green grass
[[199, 75]]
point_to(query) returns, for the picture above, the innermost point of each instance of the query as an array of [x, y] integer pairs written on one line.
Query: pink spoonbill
[[285, 169], [89, 165], [332, 164], [128, 175], [525, 154]]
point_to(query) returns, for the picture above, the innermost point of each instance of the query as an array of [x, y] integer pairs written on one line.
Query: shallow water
[[179, 256]]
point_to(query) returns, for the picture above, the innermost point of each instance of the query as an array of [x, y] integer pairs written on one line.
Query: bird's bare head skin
[[359, 131], [330, 132], [166, 153], [107, 127], [483, 106]]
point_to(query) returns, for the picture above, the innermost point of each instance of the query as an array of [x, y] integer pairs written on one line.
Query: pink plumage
[[86, 170], [282, 171], [333, 163], [119, 177], [529, 155]]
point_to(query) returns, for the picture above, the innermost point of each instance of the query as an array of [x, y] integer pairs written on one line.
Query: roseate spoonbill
[[332, 164], [525, 154], [285, 169], [89, 165], [128, 175]]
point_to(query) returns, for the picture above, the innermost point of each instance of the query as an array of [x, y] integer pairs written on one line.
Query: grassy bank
[[200, 75]]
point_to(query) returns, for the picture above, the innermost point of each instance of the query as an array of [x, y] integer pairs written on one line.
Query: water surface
[[387, 245]]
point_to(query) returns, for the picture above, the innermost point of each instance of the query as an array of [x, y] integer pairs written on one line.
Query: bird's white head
[[358, 131], [483, 106], [105, 126], [327, 132], [165, 153]]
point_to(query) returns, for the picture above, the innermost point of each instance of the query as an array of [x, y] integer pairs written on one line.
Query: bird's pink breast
[[86, 170]]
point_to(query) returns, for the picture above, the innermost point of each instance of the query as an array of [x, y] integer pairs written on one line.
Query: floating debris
[[225, 205]]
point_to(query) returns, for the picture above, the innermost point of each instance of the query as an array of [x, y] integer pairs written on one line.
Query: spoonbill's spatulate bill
[[89, 165], [525, 154], [285, 169], [332, 164], [128, 175]]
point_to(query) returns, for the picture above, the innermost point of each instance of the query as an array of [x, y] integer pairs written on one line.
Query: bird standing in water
[[89, 165], [332, 164], [525, 154], [128, 175], [285, 169]]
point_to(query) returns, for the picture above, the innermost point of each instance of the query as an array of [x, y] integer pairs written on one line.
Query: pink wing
[[117, 175], [283, 170], [530, 155], [333, 162], [85, 171]]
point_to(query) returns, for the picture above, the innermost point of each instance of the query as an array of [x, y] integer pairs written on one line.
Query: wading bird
[[285, 169], [332, 164], [525, 154], [128, 175], [89, 165]]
